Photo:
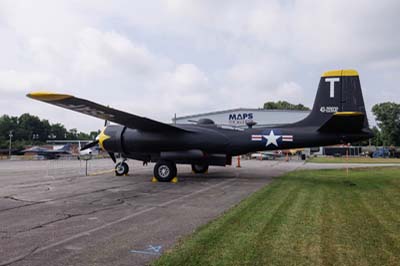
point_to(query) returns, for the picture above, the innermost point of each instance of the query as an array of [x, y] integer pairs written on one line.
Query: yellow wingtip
[[340, 73], [48, 96]]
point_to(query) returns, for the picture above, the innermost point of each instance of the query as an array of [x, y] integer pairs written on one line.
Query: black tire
[[199, 168], [165, 171], [121, 168]]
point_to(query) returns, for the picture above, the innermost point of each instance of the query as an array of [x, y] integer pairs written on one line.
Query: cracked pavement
[[51, 214]]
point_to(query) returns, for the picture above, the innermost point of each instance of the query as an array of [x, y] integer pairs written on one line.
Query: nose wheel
[[121, 168], [165, 171]]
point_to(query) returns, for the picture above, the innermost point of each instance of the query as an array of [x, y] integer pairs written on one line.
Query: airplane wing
[[345, 122], [100, 111]]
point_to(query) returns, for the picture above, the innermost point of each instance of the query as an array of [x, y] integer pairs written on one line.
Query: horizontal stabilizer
[[106, 113], [344, 122]]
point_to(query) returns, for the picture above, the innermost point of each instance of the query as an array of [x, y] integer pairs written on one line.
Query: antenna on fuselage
[[250, 123]]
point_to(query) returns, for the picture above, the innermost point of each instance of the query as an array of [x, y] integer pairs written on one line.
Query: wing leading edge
[[106, 113]]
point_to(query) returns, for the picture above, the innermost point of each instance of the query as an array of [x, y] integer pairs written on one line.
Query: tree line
[[387, 116], [31, 130], [284, 105]]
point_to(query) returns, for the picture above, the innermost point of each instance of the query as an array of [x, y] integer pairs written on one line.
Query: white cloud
[[345, 31], [103, 53], [187, 75], [289, 91], [13, 81], [160, 57]]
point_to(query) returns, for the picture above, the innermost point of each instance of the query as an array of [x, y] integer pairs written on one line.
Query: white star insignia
[[271, 138]]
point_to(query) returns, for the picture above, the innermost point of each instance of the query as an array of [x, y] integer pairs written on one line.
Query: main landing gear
[[165, 171], [199, 168], [121, 168]]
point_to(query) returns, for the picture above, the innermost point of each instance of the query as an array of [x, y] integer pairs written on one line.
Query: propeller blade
[[112, 155], [90, 145]]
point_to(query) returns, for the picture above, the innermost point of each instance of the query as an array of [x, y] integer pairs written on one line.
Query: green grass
[[319, 217], [353, 160]]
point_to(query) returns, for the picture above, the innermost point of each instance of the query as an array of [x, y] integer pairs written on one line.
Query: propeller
[[96, 142], [90, 145]]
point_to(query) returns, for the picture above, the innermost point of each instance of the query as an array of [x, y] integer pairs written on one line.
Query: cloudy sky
[[157, 58]]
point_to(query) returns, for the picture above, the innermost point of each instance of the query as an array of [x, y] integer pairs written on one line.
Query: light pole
[[9, 148]]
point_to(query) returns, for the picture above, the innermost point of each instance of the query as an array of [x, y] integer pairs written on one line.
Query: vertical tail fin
[[338, 91]]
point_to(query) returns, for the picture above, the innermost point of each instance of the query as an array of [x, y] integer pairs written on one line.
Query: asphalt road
[[51, 214]]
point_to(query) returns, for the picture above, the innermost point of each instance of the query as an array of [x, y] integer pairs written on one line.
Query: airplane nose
[[110, 138]]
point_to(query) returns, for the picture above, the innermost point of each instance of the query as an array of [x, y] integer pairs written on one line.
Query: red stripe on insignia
[[287, 138]]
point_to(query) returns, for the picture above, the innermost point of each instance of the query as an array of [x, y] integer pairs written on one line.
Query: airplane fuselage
[[214, 140]]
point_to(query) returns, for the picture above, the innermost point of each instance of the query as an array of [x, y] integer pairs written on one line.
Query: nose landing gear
[[121, 168]]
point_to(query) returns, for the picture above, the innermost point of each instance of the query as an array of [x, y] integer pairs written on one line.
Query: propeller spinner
[[99, 140]]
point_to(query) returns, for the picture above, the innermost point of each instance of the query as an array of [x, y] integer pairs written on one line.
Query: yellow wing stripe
[[348, 113], [48, 96], [339, 73]]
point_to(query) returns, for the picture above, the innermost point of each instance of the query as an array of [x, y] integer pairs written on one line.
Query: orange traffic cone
[[238, 162]]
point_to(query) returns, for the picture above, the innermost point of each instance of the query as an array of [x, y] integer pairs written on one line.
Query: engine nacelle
[[112, 139]]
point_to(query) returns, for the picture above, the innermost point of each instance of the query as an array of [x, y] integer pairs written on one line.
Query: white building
[[240, 116]]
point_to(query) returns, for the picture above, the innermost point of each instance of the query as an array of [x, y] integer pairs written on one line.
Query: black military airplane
[[48, 153], [338, 116]]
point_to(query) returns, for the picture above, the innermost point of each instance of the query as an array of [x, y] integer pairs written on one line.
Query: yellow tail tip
[[340, 73]]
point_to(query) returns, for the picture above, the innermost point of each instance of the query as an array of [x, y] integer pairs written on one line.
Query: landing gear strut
[[121, 168], [199, 168], [165, 171]]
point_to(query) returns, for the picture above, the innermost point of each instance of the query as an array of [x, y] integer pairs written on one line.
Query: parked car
[[381, 153]]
